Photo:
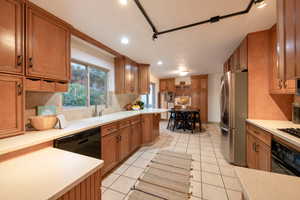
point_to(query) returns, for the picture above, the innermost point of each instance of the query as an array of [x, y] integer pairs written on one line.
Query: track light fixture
[[214, 19]]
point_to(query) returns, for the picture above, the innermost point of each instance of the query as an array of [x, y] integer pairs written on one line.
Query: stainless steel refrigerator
[[234, 112]]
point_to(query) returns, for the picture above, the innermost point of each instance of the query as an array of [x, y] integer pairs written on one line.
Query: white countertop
[[262, 185], [44, 174], [37, 137], [272, 126]]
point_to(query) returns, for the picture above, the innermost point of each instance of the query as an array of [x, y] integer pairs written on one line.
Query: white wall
[[214, 89], [83, 51]]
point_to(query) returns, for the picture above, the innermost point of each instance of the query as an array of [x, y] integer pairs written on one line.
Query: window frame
[[88, 98]]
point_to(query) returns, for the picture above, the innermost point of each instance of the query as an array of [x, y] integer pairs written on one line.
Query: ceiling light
[[260, 3], [124, 40], [160, 62], [123, 2], [183, 73]]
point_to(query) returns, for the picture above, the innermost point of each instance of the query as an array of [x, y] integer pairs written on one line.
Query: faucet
[[96, 113]]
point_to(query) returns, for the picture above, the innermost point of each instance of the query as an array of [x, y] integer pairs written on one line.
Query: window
[[149, 99], [88, 86]]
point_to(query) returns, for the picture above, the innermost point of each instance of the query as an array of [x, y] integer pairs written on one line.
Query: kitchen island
[[262, 185]]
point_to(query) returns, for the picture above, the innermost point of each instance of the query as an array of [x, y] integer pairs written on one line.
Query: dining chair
[[171, 119]]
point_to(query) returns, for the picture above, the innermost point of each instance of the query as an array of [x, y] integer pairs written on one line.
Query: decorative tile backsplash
[[116, 103]]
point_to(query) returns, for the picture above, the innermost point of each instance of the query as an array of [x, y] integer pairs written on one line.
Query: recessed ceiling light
[[123, 2], [160, 62], [183, 73], [124, 40]]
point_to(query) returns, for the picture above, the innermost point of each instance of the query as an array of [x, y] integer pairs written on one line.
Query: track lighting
[[260, 3]]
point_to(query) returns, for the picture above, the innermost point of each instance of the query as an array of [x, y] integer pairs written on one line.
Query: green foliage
[[76, 96]]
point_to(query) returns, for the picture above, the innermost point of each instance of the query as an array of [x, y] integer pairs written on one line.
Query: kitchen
[[85, 120]]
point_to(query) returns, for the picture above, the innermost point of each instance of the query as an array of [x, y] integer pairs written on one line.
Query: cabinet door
[[125, 145], [156, 120], [11, 37], [128, 77], [110, 150], [48, 45], [171, 85], [288, 38], [144, 79], [12, 105], [135, 79], [263, 156], [251, 154], [136, 139], [147, 128], [196, 84], [243, 58], [163, 85]]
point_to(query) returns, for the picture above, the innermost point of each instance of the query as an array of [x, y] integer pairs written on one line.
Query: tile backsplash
[[116, 102]]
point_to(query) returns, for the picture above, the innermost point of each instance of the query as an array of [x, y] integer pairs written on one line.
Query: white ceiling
[[201, 49]]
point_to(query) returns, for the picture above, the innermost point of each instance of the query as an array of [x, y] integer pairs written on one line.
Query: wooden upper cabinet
[[243, 55], [288, 30], [11, 36], [48, 45], [135, 78], [12, 105], [126, 76], [167, 85], [144, 79], [277, 86], [162, 85]]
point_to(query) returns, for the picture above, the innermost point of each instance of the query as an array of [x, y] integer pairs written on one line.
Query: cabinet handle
[[118, 139], [280, 84], [256, 147], [19, 89], [20, 60], [30, 62], [284, 84]]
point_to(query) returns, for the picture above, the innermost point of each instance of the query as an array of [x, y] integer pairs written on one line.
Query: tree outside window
[[88, 86]]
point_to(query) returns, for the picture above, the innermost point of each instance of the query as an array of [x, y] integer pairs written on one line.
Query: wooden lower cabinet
[[120, 139], [12, 105], [258, 149], [110, 150], [251, 154], [136, 139], [263, 156], [89, 189], [147, 128], [156, 120], [125, 142]]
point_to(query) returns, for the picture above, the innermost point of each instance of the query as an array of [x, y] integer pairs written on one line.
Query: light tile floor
[[213, 177]]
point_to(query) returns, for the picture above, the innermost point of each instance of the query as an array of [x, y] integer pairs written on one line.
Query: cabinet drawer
[[61, 87], [108, 129], [32, 85], [124, 123], [260, 134], [47, 86]]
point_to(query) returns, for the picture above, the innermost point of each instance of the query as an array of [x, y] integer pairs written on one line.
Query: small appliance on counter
[[296, 113]]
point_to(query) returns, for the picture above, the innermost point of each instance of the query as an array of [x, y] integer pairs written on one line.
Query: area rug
[[167, 177]]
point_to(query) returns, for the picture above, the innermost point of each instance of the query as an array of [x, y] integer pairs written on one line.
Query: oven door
[[279, 167]]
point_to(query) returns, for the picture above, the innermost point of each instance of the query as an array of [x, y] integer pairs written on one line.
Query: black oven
[[285, 160], [86, 143]]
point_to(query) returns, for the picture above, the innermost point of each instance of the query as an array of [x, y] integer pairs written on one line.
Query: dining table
[[185, 119]]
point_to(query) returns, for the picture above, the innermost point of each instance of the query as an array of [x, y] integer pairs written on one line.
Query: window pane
[[78, 91], [98, 86]]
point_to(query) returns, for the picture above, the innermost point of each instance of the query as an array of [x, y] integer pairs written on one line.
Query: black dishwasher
[[86, 143]]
